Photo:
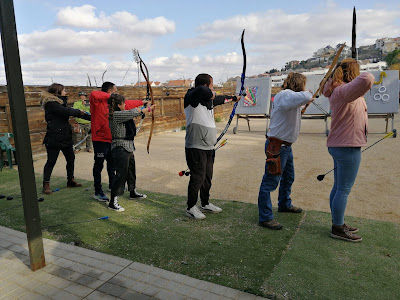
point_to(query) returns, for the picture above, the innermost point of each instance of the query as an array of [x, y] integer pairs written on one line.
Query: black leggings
[[52, 155], [102, 151], [124, 164], [201, 164]]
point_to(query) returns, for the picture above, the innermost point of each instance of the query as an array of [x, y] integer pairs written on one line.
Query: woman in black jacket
[[59, 133]]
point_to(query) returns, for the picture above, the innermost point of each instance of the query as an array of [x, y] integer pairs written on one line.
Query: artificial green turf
[[228, 248], [315, 266], [299, 262]]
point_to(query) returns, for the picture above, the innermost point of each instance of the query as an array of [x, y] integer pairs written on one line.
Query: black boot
[[72, 183]]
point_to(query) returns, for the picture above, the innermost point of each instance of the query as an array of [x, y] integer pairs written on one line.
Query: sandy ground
[[239, 168]]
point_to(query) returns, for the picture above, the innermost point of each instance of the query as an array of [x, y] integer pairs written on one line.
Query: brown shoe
[[72, 183], [271, 224], [292, 209], [342, 233], [351, 229], [46, 188], [89, 150]]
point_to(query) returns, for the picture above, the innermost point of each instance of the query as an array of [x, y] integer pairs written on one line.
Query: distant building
[[179, 82], [152, 84], [292, 64], [387, 45]]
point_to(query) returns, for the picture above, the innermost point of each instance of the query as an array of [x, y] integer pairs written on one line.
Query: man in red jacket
[[101, 135]]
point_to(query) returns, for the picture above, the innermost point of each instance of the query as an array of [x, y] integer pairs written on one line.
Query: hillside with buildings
[[371, 57]]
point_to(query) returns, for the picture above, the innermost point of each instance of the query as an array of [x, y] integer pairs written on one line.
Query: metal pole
[[137, 60], [15, 88]]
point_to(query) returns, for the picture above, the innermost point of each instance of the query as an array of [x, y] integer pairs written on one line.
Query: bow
[[328, 74], [149, 96], [241, 93], [353, 36]]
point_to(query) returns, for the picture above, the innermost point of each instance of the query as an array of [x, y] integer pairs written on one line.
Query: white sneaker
[[115, 206], [195, 213], [211, 208]]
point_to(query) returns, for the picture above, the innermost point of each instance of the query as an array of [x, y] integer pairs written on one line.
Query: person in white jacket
[[283, 132]]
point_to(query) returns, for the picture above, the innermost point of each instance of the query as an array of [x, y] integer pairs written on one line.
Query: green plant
[[392, 57]]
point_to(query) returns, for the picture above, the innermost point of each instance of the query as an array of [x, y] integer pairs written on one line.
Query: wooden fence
[[169, 114]]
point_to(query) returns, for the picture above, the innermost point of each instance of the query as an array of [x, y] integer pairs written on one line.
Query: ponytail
[[113, 102], [345, 72]]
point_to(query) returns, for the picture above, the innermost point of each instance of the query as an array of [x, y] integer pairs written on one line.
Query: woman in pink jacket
[[348, 134]]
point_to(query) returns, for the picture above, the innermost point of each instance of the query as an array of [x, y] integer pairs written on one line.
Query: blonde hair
[[345, 72], [295, 82]]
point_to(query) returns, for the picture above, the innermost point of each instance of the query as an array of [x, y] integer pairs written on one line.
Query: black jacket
[[59, 131]]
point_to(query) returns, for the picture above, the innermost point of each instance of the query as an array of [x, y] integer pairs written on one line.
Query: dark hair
[[202, 79], [55, 89], [295, 82], [107, 86], [113, 102]]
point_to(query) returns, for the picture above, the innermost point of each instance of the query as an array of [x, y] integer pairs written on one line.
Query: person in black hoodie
[[201, 137], [123, 131], [59, 133]]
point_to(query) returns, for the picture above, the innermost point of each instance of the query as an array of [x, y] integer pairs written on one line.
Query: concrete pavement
[[78, 273]]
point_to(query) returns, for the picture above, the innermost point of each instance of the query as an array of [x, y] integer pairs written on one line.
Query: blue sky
[[65, 40]]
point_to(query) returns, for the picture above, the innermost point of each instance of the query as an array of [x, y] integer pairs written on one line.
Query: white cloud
[[100, 34], [122, 21], [81, 17], [61, 43]]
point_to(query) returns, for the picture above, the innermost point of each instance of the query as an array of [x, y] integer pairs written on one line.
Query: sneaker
[[115, 206], [101, 197], [211, 208], [89, 150], [292, 209], [134, 195], [195, 213], [271, 224], [342, 233]]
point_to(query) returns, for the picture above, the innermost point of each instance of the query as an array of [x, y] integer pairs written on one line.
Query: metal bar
[[19, 118]]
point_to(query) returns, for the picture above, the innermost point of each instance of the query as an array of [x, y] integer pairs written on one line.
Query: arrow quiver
[[274, 156]]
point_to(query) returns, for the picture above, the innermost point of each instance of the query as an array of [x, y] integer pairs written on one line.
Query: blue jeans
[[346, 162], [270, 182]]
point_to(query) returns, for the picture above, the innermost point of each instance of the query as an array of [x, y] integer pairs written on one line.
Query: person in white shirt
[[283, 132]]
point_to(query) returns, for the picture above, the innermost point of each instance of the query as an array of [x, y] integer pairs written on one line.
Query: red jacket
[[99, 110]]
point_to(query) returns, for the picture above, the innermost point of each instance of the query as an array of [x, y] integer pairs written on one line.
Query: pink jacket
[[349, 125]]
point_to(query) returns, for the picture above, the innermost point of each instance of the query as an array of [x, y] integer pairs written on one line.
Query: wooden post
[[15, 88]]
